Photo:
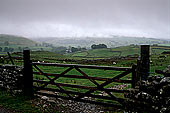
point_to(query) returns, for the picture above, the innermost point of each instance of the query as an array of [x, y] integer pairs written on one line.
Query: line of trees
[[74, 49], [6, 49], [99, 46]]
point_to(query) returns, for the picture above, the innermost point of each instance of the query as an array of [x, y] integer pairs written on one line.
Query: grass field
[[15, 40], [33, 48], [106, 53], [159, 61], [18, 104]]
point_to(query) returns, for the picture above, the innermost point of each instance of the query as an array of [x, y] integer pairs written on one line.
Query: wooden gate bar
[[41, 72], [116, 77], [64, 91], [93, 81], [52, 80], [81, 87], [85, 66], [78, 93], [90, 91], [105, 83], [82, 77]]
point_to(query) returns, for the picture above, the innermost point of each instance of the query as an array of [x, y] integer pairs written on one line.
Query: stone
[[45, 98], [152, 95], [11, 78]]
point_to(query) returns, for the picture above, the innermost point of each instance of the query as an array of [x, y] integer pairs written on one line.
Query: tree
[[102, 46], [20, 49], [10, 49], [94, 46], [41, 49], [5, 49], [47, 44], [6, 43], [83, 49], [73, 49], [0, 49], [36, 44]]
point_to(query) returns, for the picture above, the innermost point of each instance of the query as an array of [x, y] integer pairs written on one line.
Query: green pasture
[[106, 53], [114, 52], [75, 81], [90, 72], [33, 48], [158, 61]]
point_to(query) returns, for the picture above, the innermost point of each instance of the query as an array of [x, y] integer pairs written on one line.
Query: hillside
[[11, 43], [16, 40], [114, 41], [118, 51]]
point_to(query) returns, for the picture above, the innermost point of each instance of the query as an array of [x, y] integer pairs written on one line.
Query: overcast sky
[[55, 18]]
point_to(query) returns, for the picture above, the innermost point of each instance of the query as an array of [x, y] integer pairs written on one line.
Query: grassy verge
[[19, 104]]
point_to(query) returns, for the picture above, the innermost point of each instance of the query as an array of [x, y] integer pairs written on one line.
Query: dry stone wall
[[11, 78], [152, 95]]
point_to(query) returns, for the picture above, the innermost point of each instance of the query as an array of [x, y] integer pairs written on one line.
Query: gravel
[[48, 104]]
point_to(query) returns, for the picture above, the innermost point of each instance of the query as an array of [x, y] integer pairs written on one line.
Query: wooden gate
[[98, 90], [91, 91]]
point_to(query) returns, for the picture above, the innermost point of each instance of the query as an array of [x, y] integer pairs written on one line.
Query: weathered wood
[[134, 76], [27, 75], [90, 89], [78, 93], [41, 72], [85, 66], [117, 77], [145, 61], [61, 89], [52, 80], [67, 85], [83, 77], [160, 72], [81, 87], [138, 70], [106, 83]]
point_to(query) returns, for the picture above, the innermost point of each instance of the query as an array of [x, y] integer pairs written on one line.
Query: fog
[[80, 18]]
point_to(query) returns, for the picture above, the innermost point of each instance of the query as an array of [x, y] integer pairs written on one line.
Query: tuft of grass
[[19, 104]]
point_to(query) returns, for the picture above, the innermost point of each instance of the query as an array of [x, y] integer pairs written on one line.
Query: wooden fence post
[[145, 62], [143, 67], [27, 75], [134, 76]]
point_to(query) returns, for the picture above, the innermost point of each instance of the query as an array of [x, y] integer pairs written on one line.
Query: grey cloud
[[140, 15]]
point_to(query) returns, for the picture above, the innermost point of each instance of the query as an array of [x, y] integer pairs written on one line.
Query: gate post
[[134, 76], [27, 75], [143, 66]]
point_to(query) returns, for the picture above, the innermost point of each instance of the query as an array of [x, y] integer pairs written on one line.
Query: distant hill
[[114, 41], [16, 40]]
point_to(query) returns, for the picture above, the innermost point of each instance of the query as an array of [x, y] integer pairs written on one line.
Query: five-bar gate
[[52, 84]]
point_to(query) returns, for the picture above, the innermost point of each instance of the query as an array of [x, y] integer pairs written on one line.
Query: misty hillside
[[15, 40], [115, 41]]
